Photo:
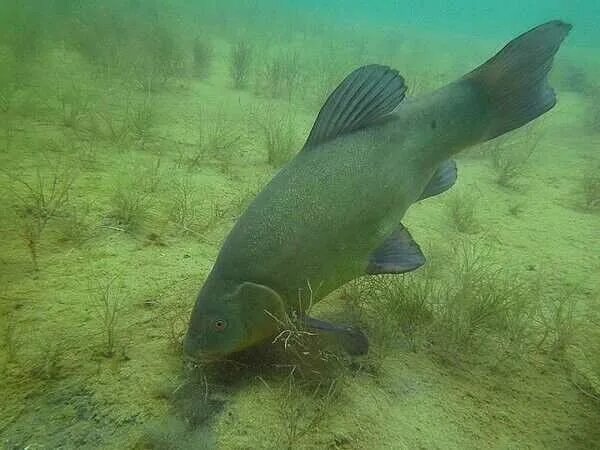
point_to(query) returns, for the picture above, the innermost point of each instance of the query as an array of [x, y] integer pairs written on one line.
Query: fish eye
[[220, 325]]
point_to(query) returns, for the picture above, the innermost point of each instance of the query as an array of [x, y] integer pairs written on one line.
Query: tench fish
[[334, 212]]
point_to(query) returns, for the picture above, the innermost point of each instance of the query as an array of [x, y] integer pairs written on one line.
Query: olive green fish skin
[[316, 225], [316, 222], [322, 215]]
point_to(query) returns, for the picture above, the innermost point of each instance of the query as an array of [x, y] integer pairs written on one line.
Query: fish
[[334, 212]]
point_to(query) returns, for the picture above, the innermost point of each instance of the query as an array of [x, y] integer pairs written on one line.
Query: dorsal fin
[[365, 96]]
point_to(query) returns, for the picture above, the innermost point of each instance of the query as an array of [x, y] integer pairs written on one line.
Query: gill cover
[[261, 308]]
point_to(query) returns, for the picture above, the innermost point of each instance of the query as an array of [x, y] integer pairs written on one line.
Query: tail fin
[[515, 83]]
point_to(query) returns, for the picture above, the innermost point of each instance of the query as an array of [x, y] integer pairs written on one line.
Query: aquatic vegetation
[[591, 188], [40, 200], [462, 207], [183, 209], [133, 197], [559, 323], [157, 58], [407, 303], [574, 77], [280, 76], [516, 209], [116, 127], [108, 303], [74, 104], [240, 64], [510, 155], [279, 138], [130, 206], [215, 137], [142, 120], [483, 302], [302, 413], [593, 109], [10, 343], [202, 56], [7, 89], [75, 225], [48, 364]]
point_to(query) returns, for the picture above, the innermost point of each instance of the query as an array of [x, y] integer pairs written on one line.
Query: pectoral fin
[[351, 339], [399, 253]]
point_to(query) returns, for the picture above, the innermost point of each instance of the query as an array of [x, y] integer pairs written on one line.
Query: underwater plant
[[74, 104], [407, 302], [559, 322], [591, 188], [483, 303], [107, 301], [142, 119], [48, 365], [130, 205], [202, 56], [215, 138], [462, 207], [183, 208], [10, 342], [593, 109], [75, 225], [303, 412], [510, 155], [114, 127], [280, 76], [240, 62], [41, 200], [279, 138]]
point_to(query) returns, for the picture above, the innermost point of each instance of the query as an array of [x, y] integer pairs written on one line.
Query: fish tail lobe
[[514, 82]]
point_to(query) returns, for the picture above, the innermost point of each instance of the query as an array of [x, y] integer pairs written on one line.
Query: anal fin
[[442, 180]]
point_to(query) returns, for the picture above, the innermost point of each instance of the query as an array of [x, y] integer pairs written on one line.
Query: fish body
[[334, 212]]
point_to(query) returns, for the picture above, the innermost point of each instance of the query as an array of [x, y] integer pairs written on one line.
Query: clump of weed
[[302, 413], [240, 63], [184, 206], [113, 126], [157, 59], [593, 109], [407, 302], [74, 104], [40, 200], [130, 206], [558, 322], [133, 198], [216, 136], [10, 342], [280, 76], [49, 364], [462, 207], [590, 185], [107, 301], [202, 56], [75, 226], [516, 209], [279, 138], [510, 155], [483, 303], [142, 120]]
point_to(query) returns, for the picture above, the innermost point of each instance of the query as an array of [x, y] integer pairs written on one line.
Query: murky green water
[[133, 135]]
